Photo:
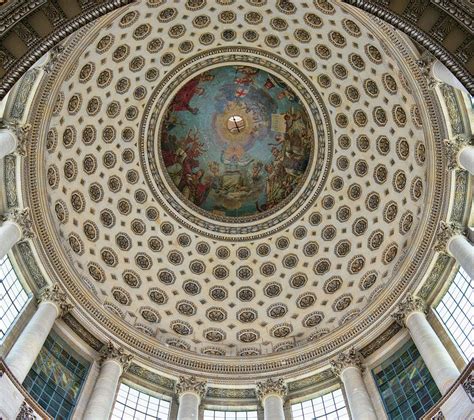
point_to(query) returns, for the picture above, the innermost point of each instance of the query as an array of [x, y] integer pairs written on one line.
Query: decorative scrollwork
[[110, 352], [352, 358], [56, 295], [191, 384], [445, 232], [271, 387], [409, 305], [452, 149]]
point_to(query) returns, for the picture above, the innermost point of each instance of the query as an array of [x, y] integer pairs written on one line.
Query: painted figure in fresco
[[186, 93]]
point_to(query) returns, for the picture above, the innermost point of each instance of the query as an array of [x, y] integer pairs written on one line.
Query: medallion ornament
[[191, 384], [409, 305], [352, 358], [111, 352], [271, 387]]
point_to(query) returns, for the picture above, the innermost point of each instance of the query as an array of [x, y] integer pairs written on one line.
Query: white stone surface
[[441, 73], [360, 404], [188, 406], [436, 357], [102, 398], [10, 399], [8, 142], [466, 158], [273, 408], [458, 405], [10, 234], [24, 352], [463, 251]]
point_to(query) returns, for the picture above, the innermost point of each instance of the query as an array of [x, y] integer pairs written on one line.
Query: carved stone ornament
[[56, 295], [110, 352], [54, 56], [468, 386], [409, 305], [445, 232], [26, 412], [21, 132], [190, 384], [438, 416], [344, 360], [23, 219], [271, 387], [425, 63], [452, 149]]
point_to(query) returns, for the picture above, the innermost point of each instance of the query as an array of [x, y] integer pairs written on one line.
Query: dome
[[236, 189]]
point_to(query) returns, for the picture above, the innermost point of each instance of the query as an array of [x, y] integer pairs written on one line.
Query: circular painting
[[236, 141]]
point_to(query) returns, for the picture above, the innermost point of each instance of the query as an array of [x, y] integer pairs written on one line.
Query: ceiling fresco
[[236, 140]]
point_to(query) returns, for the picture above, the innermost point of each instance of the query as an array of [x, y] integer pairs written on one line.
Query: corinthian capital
[[452, 148], [23, 219], [56, 295], [191, 384], [445, 232], [271, 387], [409, 305], [344, 360], [111, 352]]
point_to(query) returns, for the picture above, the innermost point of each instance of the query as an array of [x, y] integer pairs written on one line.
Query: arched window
[[456, 311], [229, 415], [13, 296], [328, 406], [133, 404]]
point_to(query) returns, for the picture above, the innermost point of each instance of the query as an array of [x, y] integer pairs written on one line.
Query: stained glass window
[[330, 406], [405, 384], [456, 311], [229, 415], [13, 297], [133, 404], [56, 378]]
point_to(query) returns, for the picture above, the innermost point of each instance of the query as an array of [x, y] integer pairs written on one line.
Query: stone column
[[459, 154], [16, 225], [412, 314], [440, 72], [271, 395], [348, 366], [113, 362], [451, 239], [52, 304], [8, 142], [190, 393]]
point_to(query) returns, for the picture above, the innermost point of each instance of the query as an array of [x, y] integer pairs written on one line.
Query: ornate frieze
[[452, 148], [10, 181], [26, 412], [383, 338], [445, 232], [56, 295], [409, 305], [191, 384], [468, 386], [271, 387], [352, 358], [111, 352]]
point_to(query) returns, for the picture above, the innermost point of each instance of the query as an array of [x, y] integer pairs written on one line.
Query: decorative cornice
[[111, 352], [56, 295], [409, 305], [352, 358], [271, 387], [23, 219], [452, 148], [446, 231], [378, 9], [191, 384], [461, 10]]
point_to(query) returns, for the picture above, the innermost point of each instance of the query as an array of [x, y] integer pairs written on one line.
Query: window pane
[[136, 405], [327, 406], [229, 415], [12, 296]]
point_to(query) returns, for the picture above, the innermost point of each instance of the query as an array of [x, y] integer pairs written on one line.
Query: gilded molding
[[191, 384], [271, 387], [409, 305], [352, 358], [55, 295], [111, 352]]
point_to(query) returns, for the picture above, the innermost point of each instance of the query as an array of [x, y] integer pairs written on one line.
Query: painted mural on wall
[[236, 141]]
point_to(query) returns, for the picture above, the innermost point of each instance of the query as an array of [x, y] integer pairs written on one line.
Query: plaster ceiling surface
[[183, 282]]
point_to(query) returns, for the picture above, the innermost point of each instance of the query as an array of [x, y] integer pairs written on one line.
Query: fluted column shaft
[[273, 407], [434, 354], [10, 234], [8, 142], [103, 395], [188, 406], [24, 352], [360, 404], [460, 248]]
